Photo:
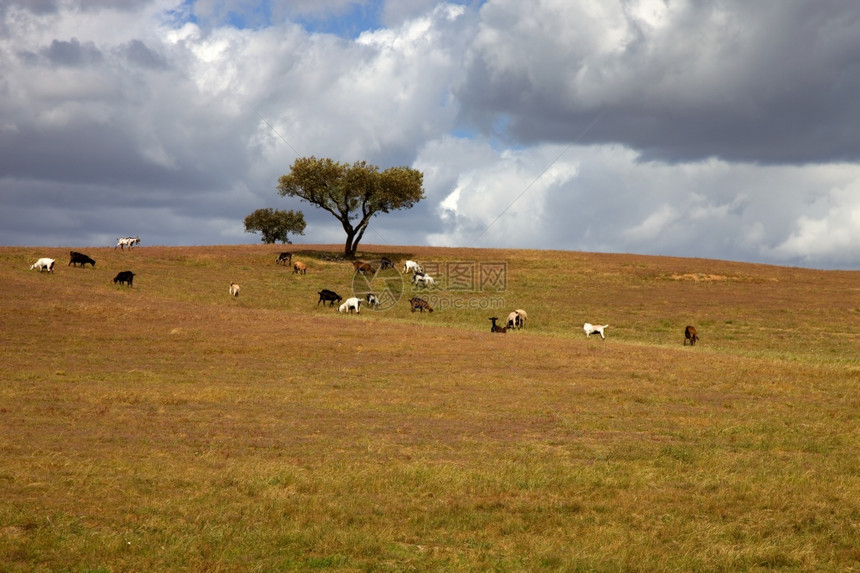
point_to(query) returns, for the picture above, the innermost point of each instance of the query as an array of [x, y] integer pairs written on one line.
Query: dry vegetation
[[171, 427]]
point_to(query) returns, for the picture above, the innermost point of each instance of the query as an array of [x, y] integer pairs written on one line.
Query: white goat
[[372, 299], [234, 289], [43, 264], [412, 266], [594, 329], [351, 304]]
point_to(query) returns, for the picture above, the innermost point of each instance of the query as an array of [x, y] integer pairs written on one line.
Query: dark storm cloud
[[138, 53], [742, 81], [72, 53]]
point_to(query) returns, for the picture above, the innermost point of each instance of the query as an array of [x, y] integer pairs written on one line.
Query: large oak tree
[[352, 193]]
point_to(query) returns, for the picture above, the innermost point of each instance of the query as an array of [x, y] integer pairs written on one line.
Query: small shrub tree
[[275, 224]]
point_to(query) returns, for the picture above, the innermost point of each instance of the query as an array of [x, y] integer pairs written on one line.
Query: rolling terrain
[[170, 427]]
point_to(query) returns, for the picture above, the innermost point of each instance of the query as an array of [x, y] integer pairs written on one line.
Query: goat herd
[[515, 320], [76, 258]]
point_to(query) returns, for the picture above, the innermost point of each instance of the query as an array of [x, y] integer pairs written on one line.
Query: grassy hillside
[[170, 427]]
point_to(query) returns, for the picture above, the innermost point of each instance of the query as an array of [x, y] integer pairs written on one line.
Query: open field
[[170, 427]]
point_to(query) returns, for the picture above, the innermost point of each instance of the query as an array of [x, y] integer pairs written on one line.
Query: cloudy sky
[[721, 129]]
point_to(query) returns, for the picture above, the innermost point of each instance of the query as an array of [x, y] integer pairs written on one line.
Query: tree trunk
[[349, 247]]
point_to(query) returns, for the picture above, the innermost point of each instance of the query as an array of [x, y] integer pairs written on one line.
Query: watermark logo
[[387, 285], [458, 285]]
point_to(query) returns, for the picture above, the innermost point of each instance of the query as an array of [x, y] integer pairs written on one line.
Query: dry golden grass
[[171, 427]]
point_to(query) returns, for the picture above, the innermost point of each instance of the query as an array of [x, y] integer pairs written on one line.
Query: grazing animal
[[423, 280], [284, 258], [43, 264], [495, 327], [385, 263], [363, 268], [328, 296], [234, 289], [79, 258], [517, 319], [412, 266], [300, 267], [419, 304], [349, 305], [594, 329], [124, 277], [129, 242], [691, 335], [372, 300]]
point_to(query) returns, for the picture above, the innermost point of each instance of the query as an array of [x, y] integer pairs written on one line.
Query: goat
[[349, 305], [372, 300], [284, 258], [328, 296], [495, 327], [301, 268], [363, 268], [385, 263], [80, 258], [43, 264], [124, 277], [419, 304], [423, 280], [517, 319], [691, 335], [129, 242], [594, 329], [412, 266], [234, 290]]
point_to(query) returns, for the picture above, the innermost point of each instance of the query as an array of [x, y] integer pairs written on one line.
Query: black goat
[[124, 277], [80, 258], [328, 296]]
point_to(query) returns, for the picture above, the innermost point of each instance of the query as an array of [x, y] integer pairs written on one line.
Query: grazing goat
[[372, 300], [81, 258], [124, 277], [363, 268], [284, 258], [412, 266], [495, 327], [234, 289], [349, 305], [691, 335], [423, 280], [43, 264], [419, 304], [517, 319], [300, 267], [385, 263], [594, 329], [328, 296], [129, 242]]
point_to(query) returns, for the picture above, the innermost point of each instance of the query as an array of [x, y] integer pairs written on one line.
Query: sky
[[715, 129]]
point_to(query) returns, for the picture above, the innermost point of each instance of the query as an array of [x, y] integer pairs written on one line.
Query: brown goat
[[495, 327], [691, 335], [300, 267], [419, 304], [363, 268]]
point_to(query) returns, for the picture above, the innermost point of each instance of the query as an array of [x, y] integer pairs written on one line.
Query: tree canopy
[[352, 193], [275, 224]]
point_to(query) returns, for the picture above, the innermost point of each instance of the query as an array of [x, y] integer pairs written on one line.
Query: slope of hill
[[170, 426]]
